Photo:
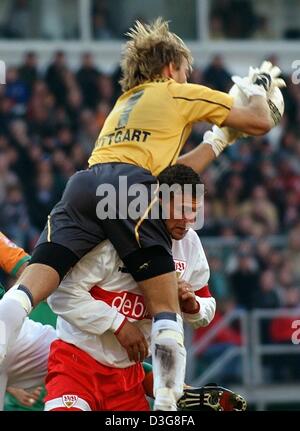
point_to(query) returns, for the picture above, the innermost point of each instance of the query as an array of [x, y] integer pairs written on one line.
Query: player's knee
[[149, 262], [58, 257]]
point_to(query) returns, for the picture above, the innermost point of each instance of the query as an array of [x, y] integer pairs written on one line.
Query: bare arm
[[254, 119], [21, 269], [199, 158]]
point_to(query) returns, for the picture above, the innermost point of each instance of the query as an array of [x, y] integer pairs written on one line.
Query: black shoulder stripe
[[202, 100]]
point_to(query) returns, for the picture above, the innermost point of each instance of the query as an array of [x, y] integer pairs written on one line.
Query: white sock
[[168, 360], [12, 315]]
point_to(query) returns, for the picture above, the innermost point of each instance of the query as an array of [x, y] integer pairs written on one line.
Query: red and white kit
[[88, 368]]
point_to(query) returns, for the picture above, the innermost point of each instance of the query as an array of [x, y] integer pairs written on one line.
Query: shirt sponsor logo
[[127, 303], [180, 267], [69, 400]]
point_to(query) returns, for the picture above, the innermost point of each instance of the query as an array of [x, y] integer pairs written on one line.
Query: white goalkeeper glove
[[260, 81], [267, 72], [220, 138], [248, 88]]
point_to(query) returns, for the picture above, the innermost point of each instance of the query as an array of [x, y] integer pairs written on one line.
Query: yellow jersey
[[150, 123]]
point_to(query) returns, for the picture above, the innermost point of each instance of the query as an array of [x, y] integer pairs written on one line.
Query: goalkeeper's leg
[[168, 352], [168, 358]]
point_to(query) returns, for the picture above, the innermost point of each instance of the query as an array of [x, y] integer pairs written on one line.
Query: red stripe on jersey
[[127, 303], [203, 292]]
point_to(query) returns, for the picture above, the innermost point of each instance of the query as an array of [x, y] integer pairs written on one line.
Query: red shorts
[[76, 381]]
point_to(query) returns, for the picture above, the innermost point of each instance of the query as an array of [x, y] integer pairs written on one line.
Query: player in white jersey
[[103, 322], [26, 363]]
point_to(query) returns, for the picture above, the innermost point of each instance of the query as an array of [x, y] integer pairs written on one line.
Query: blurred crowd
[[49, 123], [228, 19], [241, 19]]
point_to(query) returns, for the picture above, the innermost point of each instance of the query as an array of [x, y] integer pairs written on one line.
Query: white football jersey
[[25, 365], [98, 294]]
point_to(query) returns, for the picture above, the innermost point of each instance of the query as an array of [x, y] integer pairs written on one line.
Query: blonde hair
[[150, 48]]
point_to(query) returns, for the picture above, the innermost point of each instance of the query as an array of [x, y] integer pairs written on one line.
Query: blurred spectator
[[216, 75], [19, 23], [262, 29], [55, 77], [105, 88], [293, 252], [87, 77], [244, 281], [238, 16], [262, 212], [263, 251], [16, 90], [216, 27], [15, 216], [44, 198], [218, 281], [28, 71], [89, 131], [228, 337], [101, 28], [7, 178], [268, 297]]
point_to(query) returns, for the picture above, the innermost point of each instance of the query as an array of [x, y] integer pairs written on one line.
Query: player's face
[[182, 73], [182, 212]]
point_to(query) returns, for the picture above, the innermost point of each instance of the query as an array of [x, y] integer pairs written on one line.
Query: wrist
[[215, 141], [193, 310], [11, 390], [118, 323], [196, 308]]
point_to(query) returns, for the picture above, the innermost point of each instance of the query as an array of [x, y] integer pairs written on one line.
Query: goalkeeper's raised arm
[[258, 106], [254, 119], [258, 101]]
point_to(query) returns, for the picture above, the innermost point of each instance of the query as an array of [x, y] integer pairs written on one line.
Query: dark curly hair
[[180, 175]]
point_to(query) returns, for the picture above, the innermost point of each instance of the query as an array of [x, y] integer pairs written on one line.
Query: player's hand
[[266, 75], [260, 81], [24, 397], [187, 298], [132, 339], [249, 88], [220, 138]]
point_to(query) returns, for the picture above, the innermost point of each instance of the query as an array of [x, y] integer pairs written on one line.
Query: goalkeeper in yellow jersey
[[143, 134]]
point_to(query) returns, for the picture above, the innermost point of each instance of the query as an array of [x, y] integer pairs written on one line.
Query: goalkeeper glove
[[220, 138], [260, 81], [267, 76]]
